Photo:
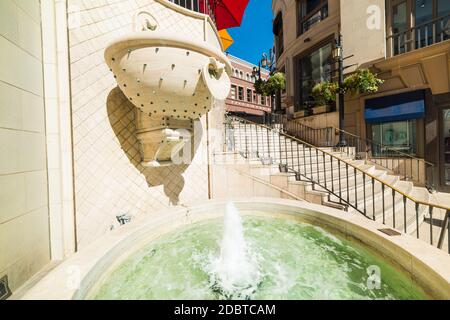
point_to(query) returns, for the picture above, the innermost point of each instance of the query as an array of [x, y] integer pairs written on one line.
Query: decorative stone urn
[[172, 72]]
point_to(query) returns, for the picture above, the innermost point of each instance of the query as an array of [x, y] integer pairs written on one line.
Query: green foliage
[[362, 81], [325, 92], [270, 86]]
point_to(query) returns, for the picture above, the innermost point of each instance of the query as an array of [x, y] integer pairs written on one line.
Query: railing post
[[445, 225]]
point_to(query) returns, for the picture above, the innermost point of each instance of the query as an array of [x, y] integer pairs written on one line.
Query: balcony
[[420, 36], [202, 6]]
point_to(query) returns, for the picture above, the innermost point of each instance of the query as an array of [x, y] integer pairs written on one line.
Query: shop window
[[399, 136], [312, 68]]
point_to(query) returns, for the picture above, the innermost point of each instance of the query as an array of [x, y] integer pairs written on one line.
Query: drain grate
[[390, 232], [5, 292]]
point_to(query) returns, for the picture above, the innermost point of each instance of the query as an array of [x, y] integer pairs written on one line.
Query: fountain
[[235, 272], [285, 254], [171, 67]]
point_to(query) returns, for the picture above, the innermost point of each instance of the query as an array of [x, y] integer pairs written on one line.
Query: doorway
[[445, 147]]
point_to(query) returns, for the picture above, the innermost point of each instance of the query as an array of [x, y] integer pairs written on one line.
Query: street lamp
[[264, 61], [338, 56]]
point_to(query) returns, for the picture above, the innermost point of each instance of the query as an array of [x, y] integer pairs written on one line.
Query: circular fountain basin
[[302, 251]]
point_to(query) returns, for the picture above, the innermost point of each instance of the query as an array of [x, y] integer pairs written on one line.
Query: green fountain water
[[277, 259]]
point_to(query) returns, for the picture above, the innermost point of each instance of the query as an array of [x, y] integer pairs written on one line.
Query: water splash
[[235, 273]]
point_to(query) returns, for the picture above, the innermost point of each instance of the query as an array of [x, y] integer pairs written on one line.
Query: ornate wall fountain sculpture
[[172, 68]]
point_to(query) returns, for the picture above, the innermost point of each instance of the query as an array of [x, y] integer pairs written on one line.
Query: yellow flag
[[226, 39]]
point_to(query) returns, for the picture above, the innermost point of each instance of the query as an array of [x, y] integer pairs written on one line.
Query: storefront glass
[[399, 136], [313, 68]]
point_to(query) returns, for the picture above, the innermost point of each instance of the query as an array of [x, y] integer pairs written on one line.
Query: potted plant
[[271, 86], [362, 82], [324, 94]]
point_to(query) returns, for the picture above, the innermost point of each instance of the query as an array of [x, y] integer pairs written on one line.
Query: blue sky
[[255, 35]]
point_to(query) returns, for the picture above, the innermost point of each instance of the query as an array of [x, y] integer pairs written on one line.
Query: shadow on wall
[[121, 114]]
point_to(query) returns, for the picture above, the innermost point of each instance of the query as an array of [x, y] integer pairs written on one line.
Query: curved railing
[[309, 162], [202, 6]]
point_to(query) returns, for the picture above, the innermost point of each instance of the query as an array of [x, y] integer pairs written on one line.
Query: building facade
[[405, 42], [243, 100]]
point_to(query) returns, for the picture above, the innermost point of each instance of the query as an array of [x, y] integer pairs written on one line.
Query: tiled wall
[[109, 179], [24, 231]]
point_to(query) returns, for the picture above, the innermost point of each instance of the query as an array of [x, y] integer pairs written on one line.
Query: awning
[[400, 107], [226, 39]]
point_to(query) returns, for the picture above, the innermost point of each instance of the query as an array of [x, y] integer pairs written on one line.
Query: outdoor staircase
[[330, 177]]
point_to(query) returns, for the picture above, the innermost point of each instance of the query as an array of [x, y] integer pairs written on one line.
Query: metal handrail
[[435, 35], [356, 170], [317, 135], [419, 26]]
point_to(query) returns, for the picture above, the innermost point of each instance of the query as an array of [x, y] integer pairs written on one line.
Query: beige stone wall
[[109, 179], [363, 29], [24, 215]]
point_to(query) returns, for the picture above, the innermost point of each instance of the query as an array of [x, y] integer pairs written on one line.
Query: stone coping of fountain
[[428, 266]]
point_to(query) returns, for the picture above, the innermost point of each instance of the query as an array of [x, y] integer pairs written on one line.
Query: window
[[312, 68], [241, 93], [233, 92], [263, 100], [254, 97], [418, 23], [241, 75], [400, 136], [249, 95], [400, 24], [279, 34], [309, 13]]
